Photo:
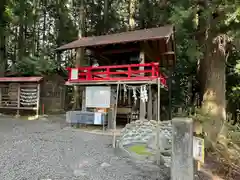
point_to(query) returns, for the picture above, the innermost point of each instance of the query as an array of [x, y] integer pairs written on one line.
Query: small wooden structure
[[42, 94], [20, 93], [132, 58]]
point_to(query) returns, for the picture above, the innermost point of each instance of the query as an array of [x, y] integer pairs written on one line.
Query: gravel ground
[[41, 150]]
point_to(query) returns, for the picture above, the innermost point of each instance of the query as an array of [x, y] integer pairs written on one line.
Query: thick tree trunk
[[214, 102], [212, 74], [3, 25], [3, 59]]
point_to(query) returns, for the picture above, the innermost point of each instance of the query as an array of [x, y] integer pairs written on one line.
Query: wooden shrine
[[20, 93], [130, 60]]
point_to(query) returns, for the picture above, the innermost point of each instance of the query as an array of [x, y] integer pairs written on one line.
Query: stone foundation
[[145, 132]]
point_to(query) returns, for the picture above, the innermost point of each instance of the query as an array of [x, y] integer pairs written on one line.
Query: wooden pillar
[[150, 104], [84, 99], [115, 118], [142, 104], [83, 62], [170, 96], [129, 98], [18, 99], [111, 110], [182, 149], [38, 100], [0, 96], [63, 97], [155, 108]]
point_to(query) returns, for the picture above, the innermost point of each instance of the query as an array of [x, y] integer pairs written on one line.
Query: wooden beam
[[168, 53], [119, 51]]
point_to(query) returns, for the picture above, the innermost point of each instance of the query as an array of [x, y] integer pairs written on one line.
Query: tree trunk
[[3, 25], [214, 102], [44, 25], [34, 28], [3, 59], [105, 18], [211, 74], [131, 19], [80, 54], [21, 37]]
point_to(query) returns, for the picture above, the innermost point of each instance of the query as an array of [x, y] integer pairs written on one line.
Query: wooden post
[[84, 99], [142, 104], [150, 104], [154, 105], [18, 99], [182, 149], [129, 99], [158, 121], [0, 96], [115, 118], [38, 100], [64, 97], [170, 96]]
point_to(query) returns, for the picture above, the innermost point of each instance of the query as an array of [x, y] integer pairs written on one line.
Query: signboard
[[74, 74], [198, 149], [98, 118], [98, 96]]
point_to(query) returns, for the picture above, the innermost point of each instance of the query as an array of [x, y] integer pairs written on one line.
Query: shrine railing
[[130, 72]]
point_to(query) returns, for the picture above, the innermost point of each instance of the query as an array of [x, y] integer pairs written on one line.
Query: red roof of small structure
[[20, 79]]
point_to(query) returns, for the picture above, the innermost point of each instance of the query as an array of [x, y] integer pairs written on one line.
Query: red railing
[[130, 72]]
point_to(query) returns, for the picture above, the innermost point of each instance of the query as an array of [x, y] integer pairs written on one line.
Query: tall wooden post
[[0, 96], [38, 100], [84, 99], [182, 149], [115, 118], [142, 104], [18, 99], [170, 96], [150, 104], [155, 105]]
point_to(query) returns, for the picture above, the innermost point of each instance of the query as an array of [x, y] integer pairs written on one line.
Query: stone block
[[182, 149]]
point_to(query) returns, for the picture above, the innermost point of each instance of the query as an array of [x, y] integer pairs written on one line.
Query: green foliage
[[237, 68], [30, 66]]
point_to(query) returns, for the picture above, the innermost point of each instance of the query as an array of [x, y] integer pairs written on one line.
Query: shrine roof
[[20, 79], [124, 37]]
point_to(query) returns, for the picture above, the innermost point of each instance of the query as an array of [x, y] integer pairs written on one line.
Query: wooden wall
[[53, 94]]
